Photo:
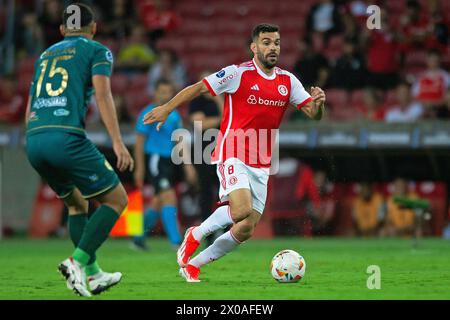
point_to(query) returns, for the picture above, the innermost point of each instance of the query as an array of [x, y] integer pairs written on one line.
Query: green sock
[[92, 269], [76, 223], [95, 233]]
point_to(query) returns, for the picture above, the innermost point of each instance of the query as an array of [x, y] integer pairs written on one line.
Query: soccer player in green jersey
[[66, 75]]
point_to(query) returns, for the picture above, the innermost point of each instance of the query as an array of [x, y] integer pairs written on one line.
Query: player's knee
[[168, 197], [241, 212], [119, 202]]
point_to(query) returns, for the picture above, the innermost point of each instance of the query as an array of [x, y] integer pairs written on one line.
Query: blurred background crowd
[[396, 74]]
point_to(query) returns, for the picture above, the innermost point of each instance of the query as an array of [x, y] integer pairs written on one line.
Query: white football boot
[[102, 281], [74, 273]]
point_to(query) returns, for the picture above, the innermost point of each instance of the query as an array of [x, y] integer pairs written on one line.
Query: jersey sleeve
[[225, 81], [140, 127], [102, 62], [299, 96]]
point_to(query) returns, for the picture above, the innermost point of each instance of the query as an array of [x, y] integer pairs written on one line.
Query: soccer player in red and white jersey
[[256, 95]]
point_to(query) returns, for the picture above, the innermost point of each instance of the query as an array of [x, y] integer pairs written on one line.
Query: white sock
[[223, 244], [219, 219]]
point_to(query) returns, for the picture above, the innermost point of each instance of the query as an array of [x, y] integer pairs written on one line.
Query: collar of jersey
[[262, 74]]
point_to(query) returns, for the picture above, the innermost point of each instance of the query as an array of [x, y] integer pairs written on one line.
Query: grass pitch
[[335, 269]]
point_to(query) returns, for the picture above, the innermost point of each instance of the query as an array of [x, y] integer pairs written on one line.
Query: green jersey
[[62, 84]]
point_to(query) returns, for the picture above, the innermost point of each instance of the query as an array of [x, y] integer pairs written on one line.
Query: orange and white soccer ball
[[288, 266]]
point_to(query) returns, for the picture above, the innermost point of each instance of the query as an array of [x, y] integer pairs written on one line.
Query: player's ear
[[62, 30], [253, 47]]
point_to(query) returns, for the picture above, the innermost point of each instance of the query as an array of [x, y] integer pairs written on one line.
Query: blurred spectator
[[50, 21], [399, 221], [207, 110], [321, 209], [167, 67], [12, 104], [351, 29], [323, 19], [368, 210], [311, 68], [431, 86], [382, 51], [438, 26], [136, 56], [372, 107], [358, 10], [31, 36], [349, 72], [414, 25], [118, 17], [158, 17], [407, 110]]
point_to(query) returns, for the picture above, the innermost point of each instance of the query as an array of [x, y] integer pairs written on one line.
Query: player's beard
[[266, 62]]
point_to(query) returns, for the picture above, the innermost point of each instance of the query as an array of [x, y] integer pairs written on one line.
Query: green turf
[[336, 269]]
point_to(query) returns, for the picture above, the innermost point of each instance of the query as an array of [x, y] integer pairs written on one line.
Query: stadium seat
[[416, 58], [337, 97], [119, 83]]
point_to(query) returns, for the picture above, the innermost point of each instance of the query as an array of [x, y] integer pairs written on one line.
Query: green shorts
[[67, 161]]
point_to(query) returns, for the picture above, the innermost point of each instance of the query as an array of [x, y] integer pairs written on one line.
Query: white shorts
[[234, 174]]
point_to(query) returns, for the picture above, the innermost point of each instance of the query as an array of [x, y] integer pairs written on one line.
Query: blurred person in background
[[438, 27], [136, 55], [12, 104], [399, 221], [312, 67], [368, 210], [406, 110], [206, 110], [372, 107], [321, 210], [414, 24], [383, 54], [32, 38], [158, 17], [156, 146], [324, 19], [119, 17], [50, 21], [349, 73], [167, 67], [431, 86]]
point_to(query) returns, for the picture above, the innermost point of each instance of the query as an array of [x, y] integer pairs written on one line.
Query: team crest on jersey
[[220, 74], [282, 90], [109, 56], [232, 181]]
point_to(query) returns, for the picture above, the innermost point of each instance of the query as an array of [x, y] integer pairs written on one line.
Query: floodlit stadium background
[[322, 164]]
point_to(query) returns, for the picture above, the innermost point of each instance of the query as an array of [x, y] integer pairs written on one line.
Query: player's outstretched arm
[[160, 113], [316, 107], [107, 110]]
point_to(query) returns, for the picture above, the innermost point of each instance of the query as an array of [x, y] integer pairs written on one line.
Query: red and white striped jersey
[[254, 105]]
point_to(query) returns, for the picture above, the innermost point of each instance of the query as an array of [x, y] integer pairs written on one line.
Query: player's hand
[[124, 159], [158, 114], [318, 96], [139, 178]]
